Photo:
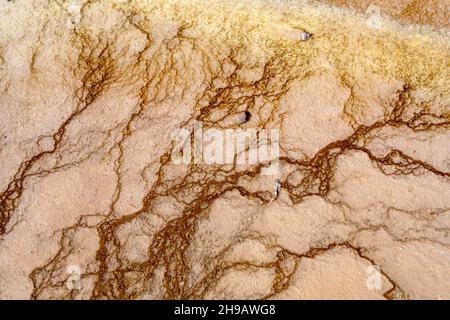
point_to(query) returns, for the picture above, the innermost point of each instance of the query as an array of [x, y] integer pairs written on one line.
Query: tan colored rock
[[107, 188]]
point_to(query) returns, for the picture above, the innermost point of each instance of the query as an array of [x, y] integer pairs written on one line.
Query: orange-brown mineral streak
[[92, 92]]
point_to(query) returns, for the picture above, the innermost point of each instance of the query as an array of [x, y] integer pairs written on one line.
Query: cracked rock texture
[[92, 91]]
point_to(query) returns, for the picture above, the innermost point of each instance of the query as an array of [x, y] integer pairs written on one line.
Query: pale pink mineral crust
[[98, 98]]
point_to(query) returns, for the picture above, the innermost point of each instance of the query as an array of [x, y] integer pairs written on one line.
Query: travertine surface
[[92, 204]]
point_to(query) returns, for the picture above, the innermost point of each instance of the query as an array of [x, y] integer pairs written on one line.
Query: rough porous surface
[[92, 91]]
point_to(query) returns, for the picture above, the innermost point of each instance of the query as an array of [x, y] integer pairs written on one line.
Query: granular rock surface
[[94, 203]]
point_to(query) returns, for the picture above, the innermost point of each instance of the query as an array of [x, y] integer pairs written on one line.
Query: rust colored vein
[[137, 225]]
